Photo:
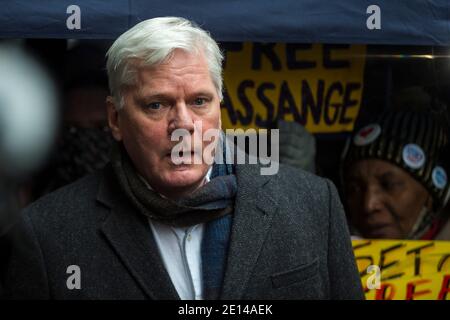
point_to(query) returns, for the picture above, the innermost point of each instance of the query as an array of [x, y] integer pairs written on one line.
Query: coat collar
[[131, 238], [255, 206]]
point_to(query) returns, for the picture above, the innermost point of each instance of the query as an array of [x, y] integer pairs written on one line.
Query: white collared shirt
[[180, 250]]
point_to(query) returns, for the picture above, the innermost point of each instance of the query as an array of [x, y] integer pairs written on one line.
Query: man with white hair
[[147, 227]]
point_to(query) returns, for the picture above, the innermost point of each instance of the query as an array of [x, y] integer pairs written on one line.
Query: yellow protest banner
[[319, 86], [404, 269]]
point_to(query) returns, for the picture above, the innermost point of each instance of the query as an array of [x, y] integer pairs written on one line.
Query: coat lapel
[[131, 238], [255, 207]]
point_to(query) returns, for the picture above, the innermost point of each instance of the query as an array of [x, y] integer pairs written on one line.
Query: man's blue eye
[[154, 105], [199, 101]]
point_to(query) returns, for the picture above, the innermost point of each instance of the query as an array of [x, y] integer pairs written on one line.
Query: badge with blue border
[[413, 156], [439, 177]]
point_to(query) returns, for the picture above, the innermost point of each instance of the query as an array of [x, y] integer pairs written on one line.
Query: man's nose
[[181, 118]]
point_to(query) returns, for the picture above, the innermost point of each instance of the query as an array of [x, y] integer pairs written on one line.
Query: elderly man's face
[[169, 96], [383, 200]]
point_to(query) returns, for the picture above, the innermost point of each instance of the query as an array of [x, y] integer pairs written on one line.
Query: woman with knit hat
[[395, 177]]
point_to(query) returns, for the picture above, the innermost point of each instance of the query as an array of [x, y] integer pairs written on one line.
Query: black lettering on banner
[[369, 258], [308, 99], [328, 63], [362, 245], [228, 105], [267, 50], [230, 47], [335, 86], [347, 102], [286, 104], [359, 246], [416, 252], [267, 104], [291, 57], [442, 262], [247, 118], [391, 264]]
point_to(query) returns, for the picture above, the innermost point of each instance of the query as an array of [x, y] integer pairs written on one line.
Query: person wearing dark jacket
[[146, 227]]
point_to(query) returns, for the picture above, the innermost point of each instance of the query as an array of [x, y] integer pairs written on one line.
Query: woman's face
[[383, 200]]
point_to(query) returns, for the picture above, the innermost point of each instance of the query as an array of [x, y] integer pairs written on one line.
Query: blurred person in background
[[28, 121], [297, 146]]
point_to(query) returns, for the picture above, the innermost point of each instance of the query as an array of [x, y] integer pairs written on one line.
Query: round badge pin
[[367, 135], [413, 156], [439, 177]]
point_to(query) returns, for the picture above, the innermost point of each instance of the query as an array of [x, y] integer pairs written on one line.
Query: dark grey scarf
[[211, 201]]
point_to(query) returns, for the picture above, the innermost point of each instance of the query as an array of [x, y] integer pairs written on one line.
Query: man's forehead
[[152, 85], [178, 58]]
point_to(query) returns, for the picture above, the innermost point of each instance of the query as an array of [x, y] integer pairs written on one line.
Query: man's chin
[[183, 176]]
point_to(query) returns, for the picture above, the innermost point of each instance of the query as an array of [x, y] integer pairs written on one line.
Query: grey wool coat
[[289, 240]]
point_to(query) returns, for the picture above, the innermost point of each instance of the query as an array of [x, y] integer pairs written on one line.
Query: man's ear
[[113, 118]]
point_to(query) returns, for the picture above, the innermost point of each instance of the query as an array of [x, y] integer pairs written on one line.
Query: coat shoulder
[[290, 186], [69, 202], [298, 179]]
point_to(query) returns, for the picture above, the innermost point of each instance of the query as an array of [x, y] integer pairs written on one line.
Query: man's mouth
[[186, 157], [182, 154]]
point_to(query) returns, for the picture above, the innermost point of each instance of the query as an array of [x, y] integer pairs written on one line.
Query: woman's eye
[[390, 185]]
